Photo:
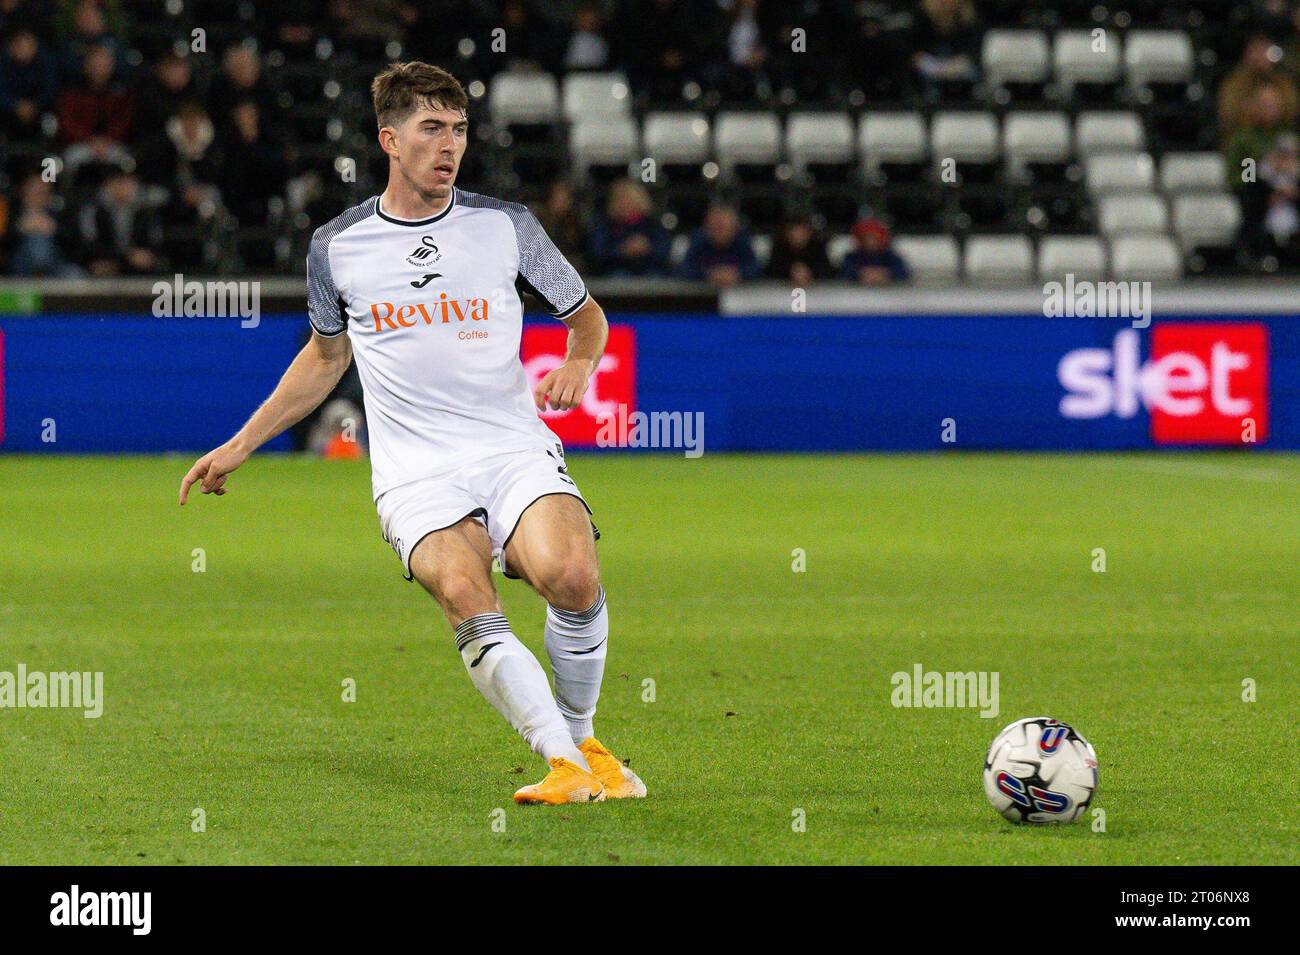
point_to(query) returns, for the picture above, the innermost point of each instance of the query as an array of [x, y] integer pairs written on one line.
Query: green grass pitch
[[772, 688]]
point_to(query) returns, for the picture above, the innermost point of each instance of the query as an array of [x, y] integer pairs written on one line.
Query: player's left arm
[[564, 387]]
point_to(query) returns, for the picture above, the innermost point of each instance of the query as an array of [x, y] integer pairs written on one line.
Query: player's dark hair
[[405, 87]]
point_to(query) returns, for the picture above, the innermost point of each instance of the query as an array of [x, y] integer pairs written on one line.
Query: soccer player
[[421, 285]]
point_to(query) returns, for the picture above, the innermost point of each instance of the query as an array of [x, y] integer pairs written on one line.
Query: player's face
[[430, 144]]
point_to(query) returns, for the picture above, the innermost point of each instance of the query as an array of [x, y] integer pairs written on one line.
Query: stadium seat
[[1015, 56], [891, 138], [931, 258], [971, 139], [1192, 172], [817, 141], [1158, 56], [1108, 132], [1077, 61], [1132, 213], [524, 99], [1207, 220], [1082, 256], [1119, 172], [762, 248], [1040, 139], [676, 140], [837, 247], [1145, 258], [610, 143], [1000, 259], [592, 96], [746, 140], [966, 137]]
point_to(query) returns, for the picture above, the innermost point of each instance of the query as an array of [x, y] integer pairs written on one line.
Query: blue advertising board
[[128, 383]]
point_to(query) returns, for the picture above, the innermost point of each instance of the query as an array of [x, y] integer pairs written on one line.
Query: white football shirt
[[433, 310]]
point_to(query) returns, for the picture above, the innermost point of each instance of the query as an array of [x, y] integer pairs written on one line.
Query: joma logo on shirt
[[390, 316]]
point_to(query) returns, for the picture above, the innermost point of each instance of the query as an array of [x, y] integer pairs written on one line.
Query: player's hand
[[564, 387], [212, 470]]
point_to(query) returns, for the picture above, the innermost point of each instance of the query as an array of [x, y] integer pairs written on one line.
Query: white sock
[[512, 680], [576, 642]]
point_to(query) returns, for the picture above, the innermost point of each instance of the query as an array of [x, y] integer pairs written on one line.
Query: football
[[1040, 770]]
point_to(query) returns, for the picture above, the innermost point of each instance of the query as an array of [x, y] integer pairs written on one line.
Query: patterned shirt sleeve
[[543, 269], [325, 308]]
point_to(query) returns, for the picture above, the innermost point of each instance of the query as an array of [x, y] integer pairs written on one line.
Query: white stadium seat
[[676, 137], [591, 96], [1207, 220], [1078, 59], [930, 258], [524, 99], [1108, 132], [819, 137], [1158, 56], [1119, 172], [1145, 258], [1036, 137], [1193, 172], [892, 137], [1083, 256], [751, 137], [1016, 56], [607, 141], [1001, 259], [965, 137], [837, 247], [1132, 213]]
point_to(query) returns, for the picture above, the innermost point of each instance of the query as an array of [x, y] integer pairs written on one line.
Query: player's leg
[[455, 566], [553, 549]]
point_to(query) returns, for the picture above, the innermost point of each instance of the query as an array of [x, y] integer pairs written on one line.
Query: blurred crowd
[[168, 158]]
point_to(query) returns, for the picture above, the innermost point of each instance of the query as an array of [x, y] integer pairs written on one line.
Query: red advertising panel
[[612, 385], [1209, 383]]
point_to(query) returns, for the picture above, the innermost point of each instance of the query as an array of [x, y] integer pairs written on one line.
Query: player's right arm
[[306, 383]]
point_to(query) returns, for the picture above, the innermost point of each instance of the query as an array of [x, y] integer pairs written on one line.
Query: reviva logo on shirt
[[390, 316]]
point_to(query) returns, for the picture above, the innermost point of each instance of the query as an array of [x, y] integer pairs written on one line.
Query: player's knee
[[464, 595], [573, 585]]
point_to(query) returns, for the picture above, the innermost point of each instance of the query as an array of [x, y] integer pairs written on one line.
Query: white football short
[[495, 490]]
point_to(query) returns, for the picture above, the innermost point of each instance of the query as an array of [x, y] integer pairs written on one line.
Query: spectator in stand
[[241, 79], [91, 23], [746, 51], [294, 27], [119, 231], [626, 240], [874, 262], [1261, 65], [95, 115], [37, 240], [29, 82], [1280, 175], [170, 86], [531, 43], [799, 254], [946, 43], [720, 252], [668, 43], [587, 49], [248, 184], [1253, 140], [559, 217], [35, 14], [184, 160], [98, 107]]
